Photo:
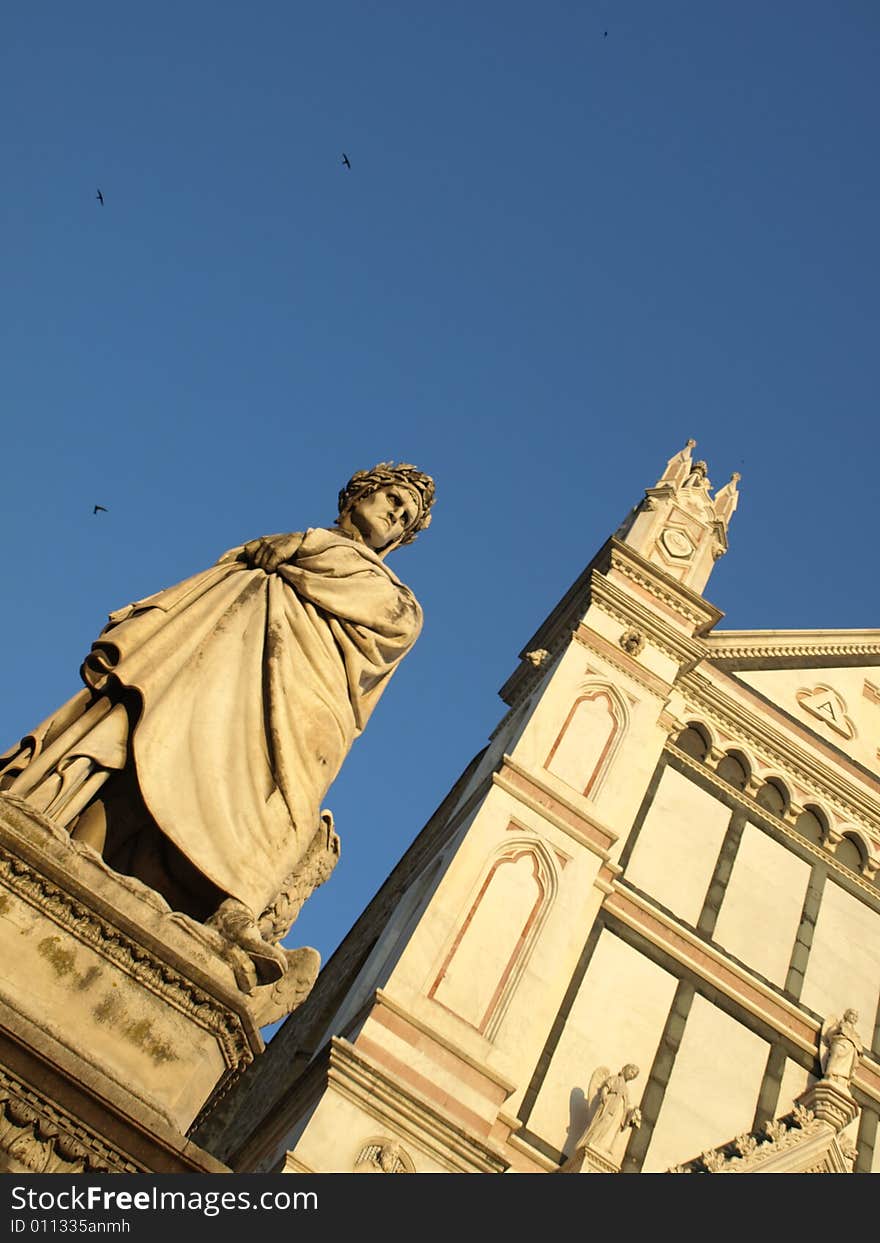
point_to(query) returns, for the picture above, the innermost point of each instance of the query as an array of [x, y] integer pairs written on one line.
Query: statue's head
[[630, 1071], [851, 1016], [389, 499]]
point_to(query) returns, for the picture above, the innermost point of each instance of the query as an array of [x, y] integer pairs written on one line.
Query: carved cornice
[[683, 601], [788, 648], [79, 921], [362, 1081], [621, 661], [45, 1139], [612, 599], [753, 1148], [808, 770], [382, 998], [696, 614], [530, 789], [526, 677]]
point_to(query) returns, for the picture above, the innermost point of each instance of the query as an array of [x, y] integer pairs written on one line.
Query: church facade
[[641, 933]]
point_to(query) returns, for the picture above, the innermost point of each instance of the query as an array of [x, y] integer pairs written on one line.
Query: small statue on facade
[[698, 477], [216, 714], [842, 1047], [610, 1110]]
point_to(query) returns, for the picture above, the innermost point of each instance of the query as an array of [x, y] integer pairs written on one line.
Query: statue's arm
[[269, 551]]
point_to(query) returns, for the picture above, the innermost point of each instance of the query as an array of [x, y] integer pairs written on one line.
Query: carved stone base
[[809, 1140], [830, 1103], [589, 1160], [120, 1021]]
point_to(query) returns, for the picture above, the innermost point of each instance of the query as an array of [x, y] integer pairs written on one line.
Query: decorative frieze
[[784, 823], [756, 646], [612, 599], [681, 600], [363, 1081], [807, 769], [39, 1137], [621, 661]]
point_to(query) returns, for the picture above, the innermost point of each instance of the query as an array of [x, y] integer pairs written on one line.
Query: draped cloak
[[252, 687]]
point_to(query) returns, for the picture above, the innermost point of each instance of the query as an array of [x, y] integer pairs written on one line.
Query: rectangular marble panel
[[617, 1017], [677, 848], [843, 969], [795, 1080], [712, 1091], [761, 909]]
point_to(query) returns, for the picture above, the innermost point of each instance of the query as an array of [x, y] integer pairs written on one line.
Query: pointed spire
[[679, 526], [679, 467], [727, 499]]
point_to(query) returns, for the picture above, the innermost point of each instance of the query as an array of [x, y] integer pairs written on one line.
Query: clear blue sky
[[555, 257]]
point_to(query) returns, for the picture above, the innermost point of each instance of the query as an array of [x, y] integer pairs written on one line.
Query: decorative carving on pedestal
[[106, 996], [37, 1137], [151, 973]]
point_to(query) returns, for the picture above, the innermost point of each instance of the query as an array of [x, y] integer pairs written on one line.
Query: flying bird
[[99, 196], [345, 160], [102, 508]]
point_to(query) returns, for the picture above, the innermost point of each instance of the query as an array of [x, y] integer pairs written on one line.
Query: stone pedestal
[[589, 1160], [121, 1022]]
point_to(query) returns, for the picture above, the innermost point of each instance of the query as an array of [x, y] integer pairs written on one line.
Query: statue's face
[[385, 516]]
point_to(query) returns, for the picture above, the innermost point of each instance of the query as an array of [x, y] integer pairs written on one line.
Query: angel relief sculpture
[[217, 713]]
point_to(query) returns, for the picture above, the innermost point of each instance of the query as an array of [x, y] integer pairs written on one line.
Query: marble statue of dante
[[217, 712]]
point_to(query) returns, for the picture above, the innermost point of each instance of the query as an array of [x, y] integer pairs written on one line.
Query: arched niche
[[590, 736], [852, 851], [494, 941], [773, 796], [812, 824], [734, 768], [695, 741]]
